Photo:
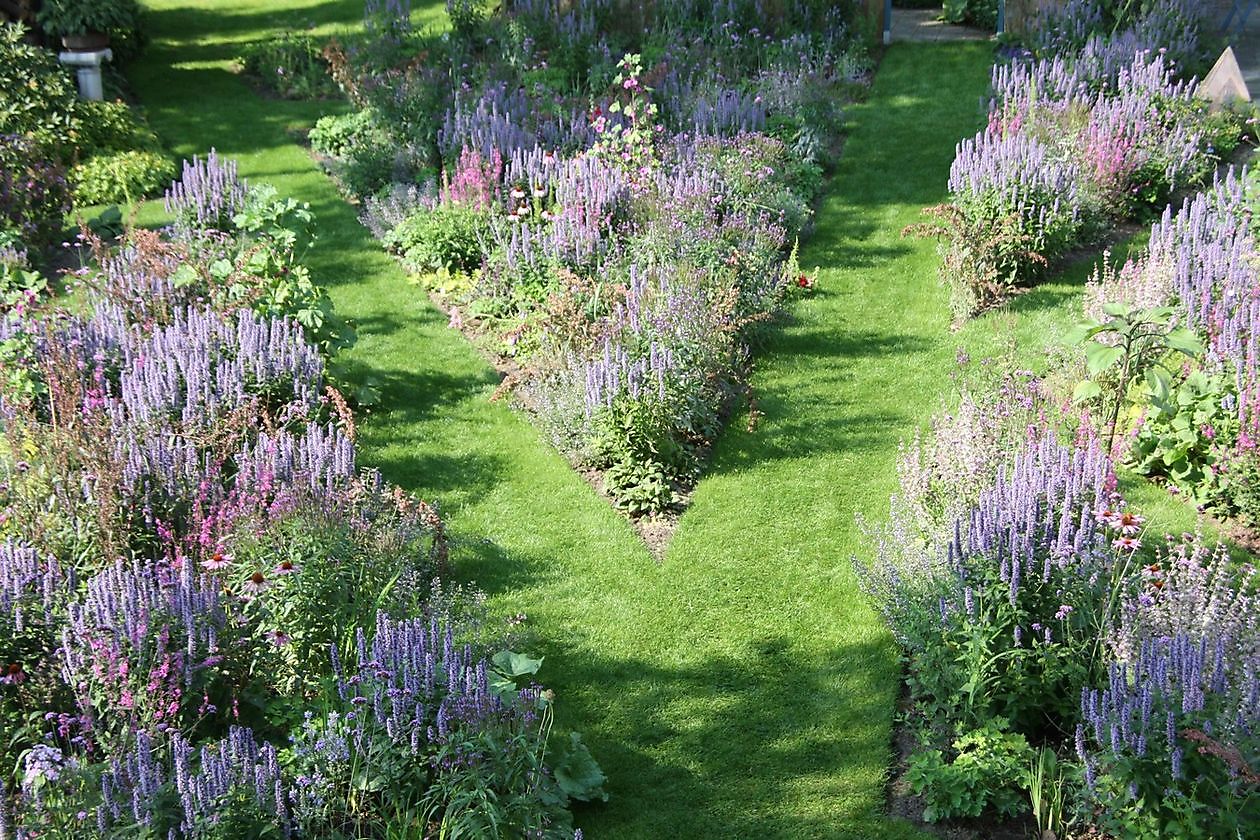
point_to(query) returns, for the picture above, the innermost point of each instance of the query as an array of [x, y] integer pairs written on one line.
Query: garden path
[[739, 687], [926, 25]]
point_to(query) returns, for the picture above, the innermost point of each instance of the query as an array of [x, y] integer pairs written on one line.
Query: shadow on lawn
[[181, 28], [732, 738]]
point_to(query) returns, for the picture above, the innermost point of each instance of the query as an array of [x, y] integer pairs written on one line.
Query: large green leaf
[[515, 664], [1086, 390], [1185, 341], [1081, 332], [1099, 357], [577, 772]]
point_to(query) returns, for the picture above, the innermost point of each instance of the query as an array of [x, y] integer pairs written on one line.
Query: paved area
[[925, 25]]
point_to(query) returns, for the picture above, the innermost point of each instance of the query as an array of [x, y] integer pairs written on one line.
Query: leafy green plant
[[447, 237], [369, 163], [1186, 431], [40, 98], [120, 177], [74, 17], [113, 127], [336, 134], [642, 459], [323, 574], [1046, 782], [293, 66], [987, 770], [1132, 346], [630, 141], [982, 13], [986, 252]]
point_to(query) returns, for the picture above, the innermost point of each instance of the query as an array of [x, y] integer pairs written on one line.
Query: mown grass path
[[739, 687]]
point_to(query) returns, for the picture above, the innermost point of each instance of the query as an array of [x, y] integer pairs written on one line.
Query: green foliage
[[987, 772], [292, 65], [1214, 797], [988, 250], [40, 97], [336, 134], [487, 779], [1048, 792], [19, 287], [339, 574], [1186, 431], [635, 444], [467, 17], [369, 165], [121, 20], [981, 13], [576, 771], [1025, 662], [447, 237], [120, 177], [113, 127], [1132, 346]]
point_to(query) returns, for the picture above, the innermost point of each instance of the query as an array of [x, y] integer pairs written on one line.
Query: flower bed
[[1196, 427], [1061, 659], [213, 623], [1101, 123], [607, 201]]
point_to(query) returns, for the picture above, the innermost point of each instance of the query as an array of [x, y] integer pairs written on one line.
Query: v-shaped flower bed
[[609, 207]]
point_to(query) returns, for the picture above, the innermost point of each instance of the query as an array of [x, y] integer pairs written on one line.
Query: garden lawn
[[739, 687]]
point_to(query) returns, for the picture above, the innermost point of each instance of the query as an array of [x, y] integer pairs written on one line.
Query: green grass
[[739, 687]]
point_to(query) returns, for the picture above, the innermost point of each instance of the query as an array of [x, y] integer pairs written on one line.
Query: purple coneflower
[[279, 638], [257, 583], [217, 562], [1129, 544]]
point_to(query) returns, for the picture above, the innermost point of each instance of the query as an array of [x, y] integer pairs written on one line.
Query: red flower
[[804, 282]]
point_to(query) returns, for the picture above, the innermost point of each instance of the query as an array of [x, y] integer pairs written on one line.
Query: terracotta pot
[[86, 42]]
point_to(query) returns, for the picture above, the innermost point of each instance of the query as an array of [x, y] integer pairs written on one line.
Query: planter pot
[[87, 42]]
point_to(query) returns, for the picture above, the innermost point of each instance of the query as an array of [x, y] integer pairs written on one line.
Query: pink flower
[[1129, 544], [285, 567], [216, 562], [1128, 524], [279, 638], [1108, 516], [256, 584]]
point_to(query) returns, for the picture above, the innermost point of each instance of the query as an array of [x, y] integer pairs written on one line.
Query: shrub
[[336, 135], [113, 127], [120, 19], [120, 177], [41, 100], [987, 772], [34, 193], [981, 13], [368, 165], [447, 237], [293, 66]]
